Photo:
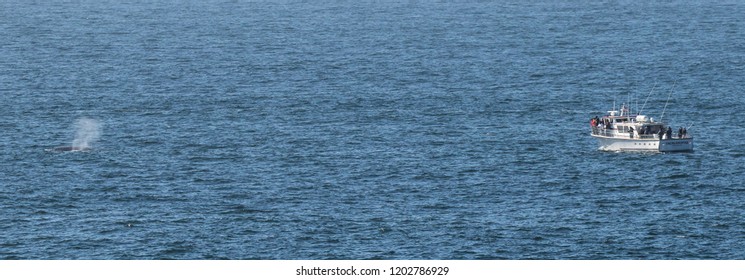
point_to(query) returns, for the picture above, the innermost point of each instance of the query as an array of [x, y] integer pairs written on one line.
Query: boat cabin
[[614, 124]]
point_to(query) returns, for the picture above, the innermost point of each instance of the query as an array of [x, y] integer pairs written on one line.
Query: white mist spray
[[87, 132]]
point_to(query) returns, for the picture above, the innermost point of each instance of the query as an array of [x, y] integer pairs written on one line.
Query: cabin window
[[653, 129]]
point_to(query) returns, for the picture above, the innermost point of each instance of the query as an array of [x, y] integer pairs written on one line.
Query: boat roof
[[637, 119]]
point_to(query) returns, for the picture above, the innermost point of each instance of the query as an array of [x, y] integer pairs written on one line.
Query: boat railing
[[598, 131]]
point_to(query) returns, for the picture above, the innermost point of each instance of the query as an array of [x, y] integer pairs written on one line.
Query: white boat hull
[[652, 145]]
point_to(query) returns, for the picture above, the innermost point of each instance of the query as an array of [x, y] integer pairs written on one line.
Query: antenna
[[668, 99]]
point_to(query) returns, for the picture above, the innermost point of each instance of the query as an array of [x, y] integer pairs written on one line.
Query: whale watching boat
[[620, 130]]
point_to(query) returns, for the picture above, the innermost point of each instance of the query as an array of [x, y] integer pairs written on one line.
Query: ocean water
[[366, 129]]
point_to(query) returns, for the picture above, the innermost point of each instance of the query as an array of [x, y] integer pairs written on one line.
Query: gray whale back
[[70, 149]]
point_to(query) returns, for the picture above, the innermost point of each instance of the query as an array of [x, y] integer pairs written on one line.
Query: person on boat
[[680, 132], [685, 132], [593, 125], [669, 133], [661, 133], [631, 132]]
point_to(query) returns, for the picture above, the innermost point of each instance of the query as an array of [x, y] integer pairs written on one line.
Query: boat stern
[[676, 145]]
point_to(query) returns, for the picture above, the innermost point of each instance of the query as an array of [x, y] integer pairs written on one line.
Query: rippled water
[[373, 130]]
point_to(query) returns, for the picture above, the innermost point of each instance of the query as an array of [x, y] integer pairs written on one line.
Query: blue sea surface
[[367, 129]]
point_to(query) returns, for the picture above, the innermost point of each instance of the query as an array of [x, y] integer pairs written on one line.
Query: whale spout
[[87, 132]]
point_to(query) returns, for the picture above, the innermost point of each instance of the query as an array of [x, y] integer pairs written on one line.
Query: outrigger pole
[[648, 95], [668, 99]]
